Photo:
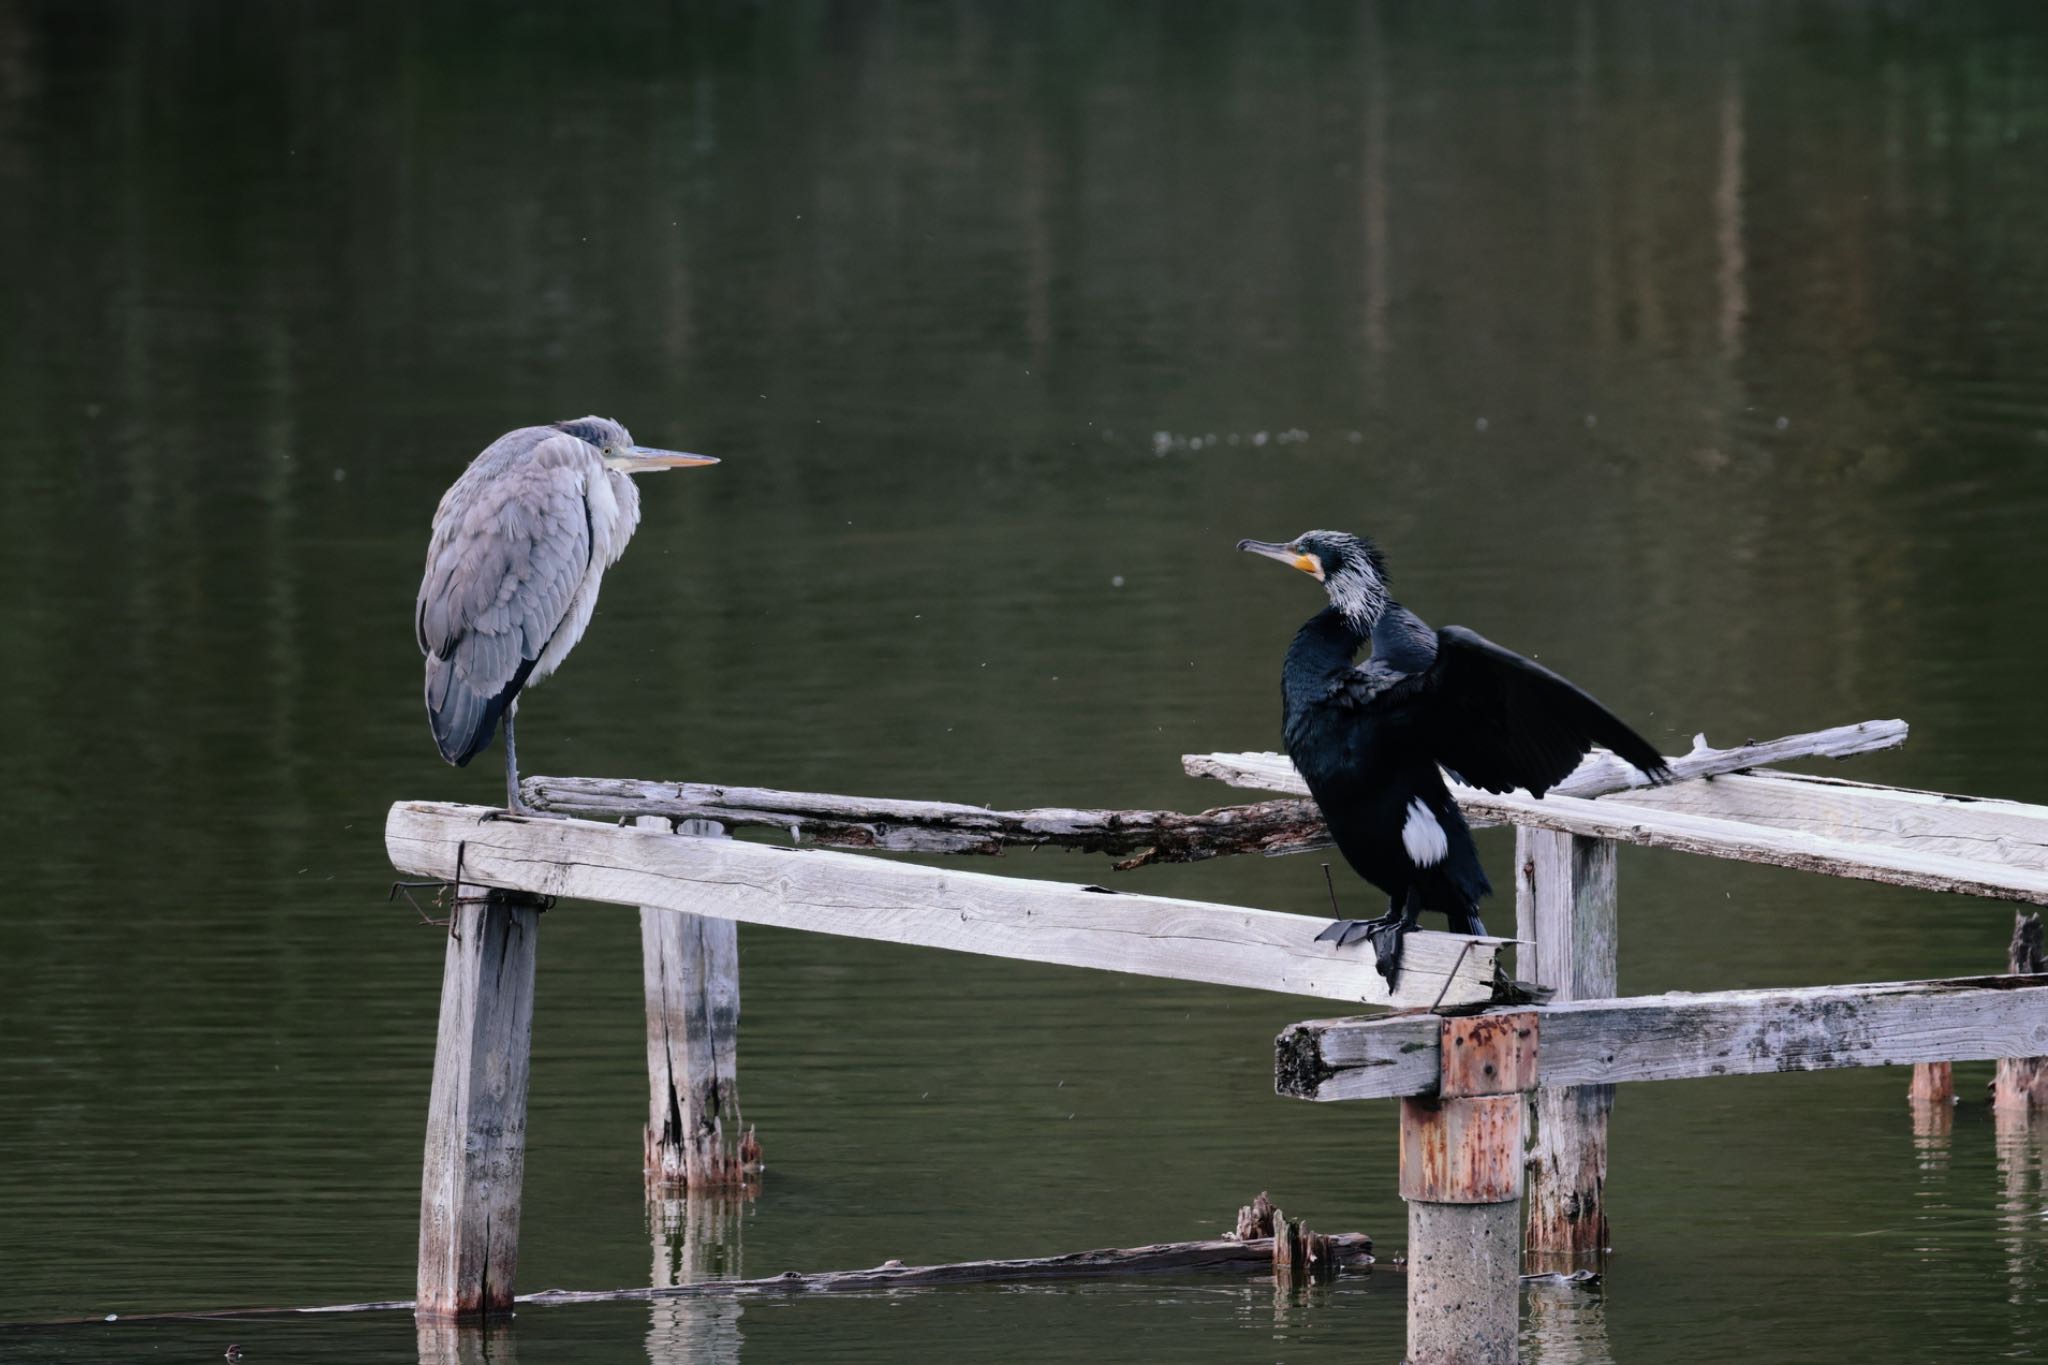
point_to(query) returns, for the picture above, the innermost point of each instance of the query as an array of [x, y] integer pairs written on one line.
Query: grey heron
[[521, 542]]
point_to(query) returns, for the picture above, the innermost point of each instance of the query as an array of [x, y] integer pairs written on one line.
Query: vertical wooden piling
[[691, 969], [1565, 907], [476, 1117], [2021, 1083], [1462, 1175]]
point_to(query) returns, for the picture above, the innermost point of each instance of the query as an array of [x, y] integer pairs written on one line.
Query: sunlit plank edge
[[877, 898], [1685, 1036]]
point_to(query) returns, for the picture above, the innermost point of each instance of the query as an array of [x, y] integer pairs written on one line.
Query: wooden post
[[1565, 907], [1461, 1173], [476, 1118], [2021, 1083], [691, 969]]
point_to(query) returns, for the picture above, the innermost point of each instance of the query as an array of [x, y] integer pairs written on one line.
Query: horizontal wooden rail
[[1904, 838], [879, 898], [1681, 1036], [1136, 837]]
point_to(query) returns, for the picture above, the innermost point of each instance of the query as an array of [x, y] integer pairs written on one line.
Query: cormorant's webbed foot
[[1386, 934]]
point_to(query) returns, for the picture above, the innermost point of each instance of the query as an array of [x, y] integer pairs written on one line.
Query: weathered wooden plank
[[1978, 829], [1567, 924], [476, 1116], [690, 967], [1620, 818], [1682, 1036], [1600, 772], [876, 898]]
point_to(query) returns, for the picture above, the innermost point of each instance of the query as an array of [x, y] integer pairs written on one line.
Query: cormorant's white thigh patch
[[1423, 836]]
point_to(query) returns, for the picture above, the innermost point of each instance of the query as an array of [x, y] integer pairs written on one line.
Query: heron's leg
[[512, 801]]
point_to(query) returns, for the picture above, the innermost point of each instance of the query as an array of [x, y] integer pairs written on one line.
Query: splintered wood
[[2022, 1082]]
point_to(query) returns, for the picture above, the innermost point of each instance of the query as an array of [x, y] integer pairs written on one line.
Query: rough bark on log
[[2021, 1083]]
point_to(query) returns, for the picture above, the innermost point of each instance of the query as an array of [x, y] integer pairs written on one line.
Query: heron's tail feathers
[[463, 719]]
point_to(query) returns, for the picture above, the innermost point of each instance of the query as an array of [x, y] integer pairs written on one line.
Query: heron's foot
[[517, 809], [1385, 934]]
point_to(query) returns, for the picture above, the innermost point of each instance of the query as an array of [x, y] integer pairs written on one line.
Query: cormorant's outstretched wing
[[510, 545], [1499, 721]]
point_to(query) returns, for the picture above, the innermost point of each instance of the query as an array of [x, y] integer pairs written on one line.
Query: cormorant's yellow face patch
[[1309, 564]]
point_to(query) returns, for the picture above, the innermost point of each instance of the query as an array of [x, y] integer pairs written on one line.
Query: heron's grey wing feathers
[[510, 545]]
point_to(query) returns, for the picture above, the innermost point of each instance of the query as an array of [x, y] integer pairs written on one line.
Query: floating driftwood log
[[1137, 837], [1213, 1255]]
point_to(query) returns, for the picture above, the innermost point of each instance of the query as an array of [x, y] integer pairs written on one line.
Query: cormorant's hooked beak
[[646, 459], [1309, 564]]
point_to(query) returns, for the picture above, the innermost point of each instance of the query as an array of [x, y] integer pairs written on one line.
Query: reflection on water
[[696, 1239], [1699, 351]]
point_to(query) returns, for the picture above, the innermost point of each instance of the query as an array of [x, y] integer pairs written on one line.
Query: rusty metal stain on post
[[1488, 1054], [1462, 1151]]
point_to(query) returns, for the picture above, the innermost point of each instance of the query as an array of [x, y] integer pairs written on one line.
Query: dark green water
[[1703, 351]]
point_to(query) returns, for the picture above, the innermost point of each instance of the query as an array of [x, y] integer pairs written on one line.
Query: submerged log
[[1136, 837]]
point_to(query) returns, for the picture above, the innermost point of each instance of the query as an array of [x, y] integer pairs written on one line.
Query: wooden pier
[[1504, 1085]]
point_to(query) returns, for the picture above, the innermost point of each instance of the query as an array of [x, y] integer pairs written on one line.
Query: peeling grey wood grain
[[879, 898], [1567, 925], [1600, 772], [1685, 1036], [1912, 856], [690, 969], [476, 1117]]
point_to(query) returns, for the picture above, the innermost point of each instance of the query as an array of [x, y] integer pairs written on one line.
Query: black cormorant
[[1369, 738]]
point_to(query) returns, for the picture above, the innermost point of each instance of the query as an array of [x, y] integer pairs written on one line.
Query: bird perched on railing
[[1370, 738], [521, 542]]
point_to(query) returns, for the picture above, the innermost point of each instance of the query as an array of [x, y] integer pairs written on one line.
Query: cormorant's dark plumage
[[1373, 739]]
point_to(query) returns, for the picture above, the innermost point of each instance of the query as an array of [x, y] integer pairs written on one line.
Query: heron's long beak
[[645, 459], [1286, 554]]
